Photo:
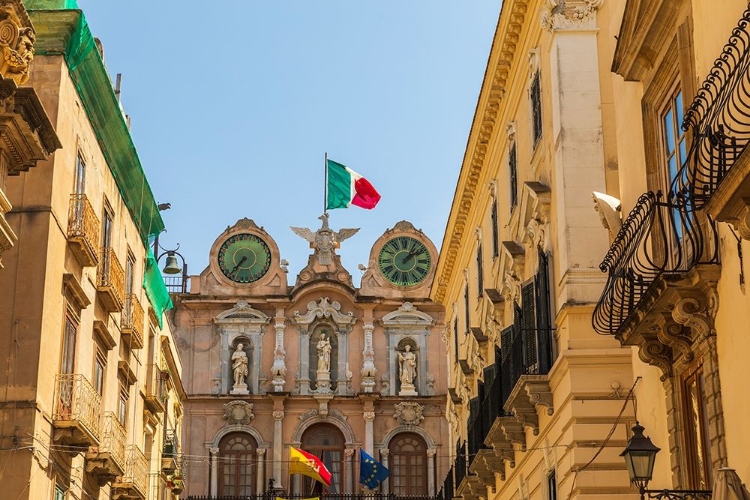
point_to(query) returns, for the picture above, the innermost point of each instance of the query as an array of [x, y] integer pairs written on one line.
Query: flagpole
[[325, 185]]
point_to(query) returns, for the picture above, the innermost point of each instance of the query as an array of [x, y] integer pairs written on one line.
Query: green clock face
[[404, 261], [244, 258]]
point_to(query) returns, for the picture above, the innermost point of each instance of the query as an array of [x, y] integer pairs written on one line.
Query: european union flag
[[371, 472]]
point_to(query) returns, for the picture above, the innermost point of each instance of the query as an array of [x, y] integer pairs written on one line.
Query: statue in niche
[[324, 353], [239, 366], [407, 363]]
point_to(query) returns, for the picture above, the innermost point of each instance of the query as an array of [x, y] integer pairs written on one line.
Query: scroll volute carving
[[17, 38]]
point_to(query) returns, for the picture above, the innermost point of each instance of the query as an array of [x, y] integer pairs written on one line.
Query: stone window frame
[[408, 323]]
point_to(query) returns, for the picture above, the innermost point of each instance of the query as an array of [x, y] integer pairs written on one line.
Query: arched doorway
[[408, 464], [326, 442], [237, 464]]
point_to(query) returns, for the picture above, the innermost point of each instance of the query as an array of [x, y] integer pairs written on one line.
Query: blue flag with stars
[[371, 472]]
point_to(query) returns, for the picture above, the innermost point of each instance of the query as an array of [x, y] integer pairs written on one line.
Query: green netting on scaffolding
[[107, 118], [156, 290]]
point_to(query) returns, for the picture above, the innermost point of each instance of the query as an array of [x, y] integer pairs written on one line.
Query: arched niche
[[241, 322], [318, 330], [407, 324], [323, 311]]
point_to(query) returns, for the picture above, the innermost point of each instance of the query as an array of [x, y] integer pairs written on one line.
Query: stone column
[[343, 361], [431, 471], [278, 418], [304, 360], [214, 452], [368, 361], [385, 486], [260, 479], [348, 454], [369, 417]]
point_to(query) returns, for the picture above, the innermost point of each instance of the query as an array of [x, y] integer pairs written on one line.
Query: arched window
[[237, 465], [326, 442], [408, 464]]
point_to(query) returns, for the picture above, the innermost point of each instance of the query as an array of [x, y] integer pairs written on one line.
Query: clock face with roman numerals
[[404, 261]]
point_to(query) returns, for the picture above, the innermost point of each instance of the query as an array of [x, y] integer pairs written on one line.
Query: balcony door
[[237, 465], [326, 442], [408, 465]]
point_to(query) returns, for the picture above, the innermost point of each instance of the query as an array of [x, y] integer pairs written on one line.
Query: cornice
[[513, 15]]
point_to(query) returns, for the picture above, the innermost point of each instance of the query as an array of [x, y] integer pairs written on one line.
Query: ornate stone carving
[[278, 415], [324, 309], [278, 368], [408, 413], [368, 360], [238, 413], [324, 240], [17, 39], [369, 416], [385, 384], [407, 371], [569, 14], [430, 382], [240, 370]]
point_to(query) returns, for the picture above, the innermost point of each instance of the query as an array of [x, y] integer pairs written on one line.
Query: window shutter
[[480, 272], [536, 108], [543, 313], [506, 337], [528, 332], [455, 339], [495, 231], [513, 167], [466, 306]]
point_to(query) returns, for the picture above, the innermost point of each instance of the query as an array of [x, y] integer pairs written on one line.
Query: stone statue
[[324, 240], [324, 354], [407, 364], [239, 366]]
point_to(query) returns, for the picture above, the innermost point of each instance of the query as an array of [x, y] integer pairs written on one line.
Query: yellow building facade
[[539, 401], [92, 399], [676, 284]]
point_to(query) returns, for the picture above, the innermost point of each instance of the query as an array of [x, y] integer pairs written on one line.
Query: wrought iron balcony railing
[[107, 460], [719, 118], [111, 281], [659, 236], [133, 321], [524, 352], [83, 230], [156, 388], [134, 482], [77, 411], [323, 496]]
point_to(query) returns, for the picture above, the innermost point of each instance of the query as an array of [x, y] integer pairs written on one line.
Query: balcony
[[662, 270], [155, 389], [111, 281], [717, 173], [169, 456], [134, 481], [107, 461], [83, 230], [132, 322], [77, 410], [176, 480]]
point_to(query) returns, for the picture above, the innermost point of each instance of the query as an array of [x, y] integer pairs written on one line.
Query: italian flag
[[346, 187], [307, 464]]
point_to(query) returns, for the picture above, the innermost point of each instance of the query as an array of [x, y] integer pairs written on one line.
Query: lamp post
[[640, 458], [171, 265]]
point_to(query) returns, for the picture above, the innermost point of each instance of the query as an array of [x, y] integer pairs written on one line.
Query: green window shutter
[[528, 332]]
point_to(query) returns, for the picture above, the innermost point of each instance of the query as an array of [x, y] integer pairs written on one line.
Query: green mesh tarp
[[94, 87], [156, 290]]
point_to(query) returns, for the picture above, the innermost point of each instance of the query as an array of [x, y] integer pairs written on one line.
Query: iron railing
[[322, 496], [83, 224], [461, 464], [719, 118], [133, 320], [659, 236], [136, 471], [113, 439], [516, 361], [447, 490], [76, 400], [112, 275], [176, 284]]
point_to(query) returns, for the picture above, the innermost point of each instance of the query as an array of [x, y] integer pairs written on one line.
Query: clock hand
[[242, 260], [408, 258]]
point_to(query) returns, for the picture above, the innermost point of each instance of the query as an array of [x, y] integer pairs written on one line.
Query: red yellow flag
[[302, 462]]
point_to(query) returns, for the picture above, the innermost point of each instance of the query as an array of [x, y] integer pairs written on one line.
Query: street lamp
[[640, 458]]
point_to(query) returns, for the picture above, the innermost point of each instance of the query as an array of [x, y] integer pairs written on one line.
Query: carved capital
[[369, 416], [213, 451], [431, 452], [349, 453], [385, 452], [278, 415], [261, 452]]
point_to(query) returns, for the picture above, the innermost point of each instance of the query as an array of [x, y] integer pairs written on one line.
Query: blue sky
[[233, 105]]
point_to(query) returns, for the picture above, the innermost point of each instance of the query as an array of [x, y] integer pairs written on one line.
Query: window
[[129, 274], [100, 366], [408, 465], [528, 328], [466, 307], [327, 443], [674, 145], [69, 344], [59, 493], [480, 272], [513, 168], [237, 465], [552, 485], [122, 408], [80, 180], [535, 94], [107, 227], [695, 410], [455, 338], [495, 231]]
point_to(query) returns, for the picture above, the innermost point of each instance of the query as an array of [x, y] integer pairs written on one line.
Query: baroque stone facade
[[323, 358]]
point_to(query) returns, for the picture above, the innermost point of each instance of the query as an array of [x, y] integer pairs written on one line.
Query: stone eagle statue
[[324, 240]]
